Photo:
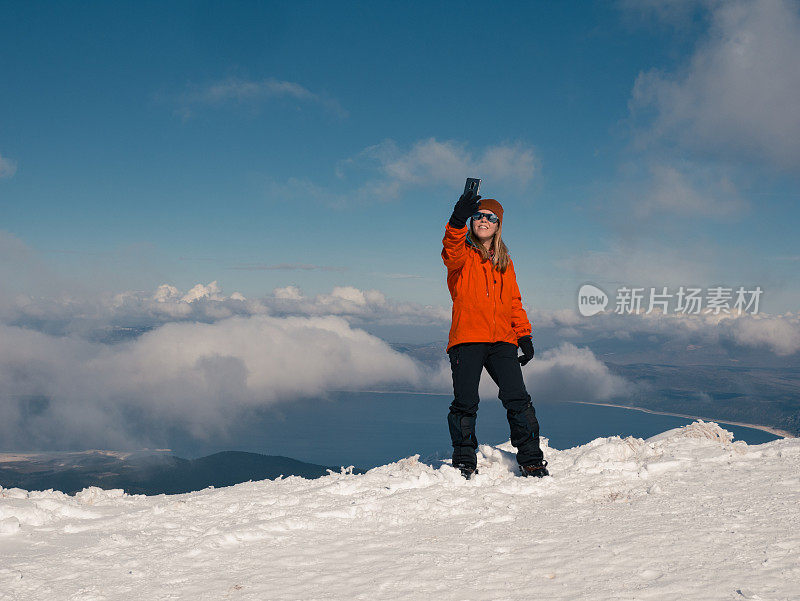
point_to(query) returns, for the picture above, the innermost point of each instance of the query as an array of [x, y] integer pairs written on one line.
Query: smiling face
[[484, 229]]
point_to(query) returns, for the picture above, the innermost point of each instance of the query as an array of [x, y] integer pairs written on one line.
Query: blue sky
[[156, 159], [318, 144]]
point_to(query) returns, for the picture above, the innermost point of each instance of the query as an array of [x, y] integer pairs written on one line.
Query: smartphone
[[473, 184]]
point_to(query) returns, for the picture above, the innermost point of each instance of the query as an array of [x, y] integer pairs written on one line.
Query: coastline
[[775, 431], [421, 392]]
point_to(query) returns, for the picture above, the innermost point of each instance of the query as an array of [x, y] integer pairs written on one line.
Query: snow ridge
[[686, 514]]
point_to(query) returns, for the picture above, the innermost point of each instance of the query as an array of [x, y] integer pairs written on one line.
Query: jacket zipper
[[494, 303], [494, 309]]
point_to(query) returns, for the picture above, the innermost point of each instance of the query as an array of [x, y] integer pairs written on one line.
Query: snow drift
[[687, 514]]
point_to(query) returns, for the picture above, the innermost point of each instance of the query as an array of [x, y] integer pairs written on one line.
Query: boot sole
[[536, 475]]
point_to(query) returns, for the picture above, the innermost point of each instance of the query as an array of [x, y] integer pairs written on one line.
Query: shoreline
[[775, 431], [769, 429], [421, 392]]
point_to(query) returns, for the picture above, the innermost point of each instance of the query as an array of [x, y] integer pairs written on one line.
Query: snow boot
[[537, 470], [466, 470]]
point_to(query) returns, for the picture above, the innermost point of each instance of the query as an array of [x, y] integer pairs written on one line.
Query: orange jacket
[[487, 305]]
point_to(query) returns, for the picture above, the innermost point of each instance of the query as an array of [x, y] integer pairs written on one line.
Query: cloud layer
[[737, 94], [776, 334], [204, 359], [61, 392], [110, 315], [121, 316]]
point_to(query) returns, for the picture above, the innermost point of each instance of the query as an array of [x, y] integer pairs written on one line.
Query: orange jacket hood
[[487, 304]]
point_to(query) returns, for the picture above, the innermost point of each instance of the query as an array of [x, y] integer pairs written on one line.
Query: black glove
[[465, 208], [526, 346]]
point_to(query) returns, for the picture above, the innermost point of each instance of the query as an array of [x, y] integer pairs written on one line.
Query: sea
[[368, 429]]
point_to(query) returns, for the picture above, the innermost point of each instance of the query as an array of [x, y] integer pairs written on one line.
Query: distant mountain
[[752, 395], [148, 473]]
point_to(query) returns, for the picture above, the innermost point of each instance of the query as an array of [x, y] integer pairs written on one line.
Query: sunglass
[[490, 216]]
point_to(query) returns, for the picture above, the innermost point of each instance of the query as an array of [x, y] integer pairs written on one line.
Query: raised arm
[[453, 252]]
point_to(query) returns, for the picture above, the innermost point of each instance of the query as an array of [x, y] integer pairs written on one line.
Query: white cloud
[[569, 373], [192, 376], [288, 293], [110, 315], [381, 173], [687, 191], [653, 194], [166, 293], [564, 373], [657, 216], [360, 307], [780, 334], [555, 318], [737, 95], [347, 293], [7, 167], [211, 292], [644, 261], [431, 162], [239, 91]]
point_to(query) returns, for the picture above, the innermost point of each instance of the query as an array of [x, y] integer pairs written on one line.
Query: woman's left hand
[[526, 346]]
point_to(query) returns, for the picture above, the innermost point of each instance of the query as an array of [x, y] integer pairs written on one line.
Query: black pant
[[467, 361]]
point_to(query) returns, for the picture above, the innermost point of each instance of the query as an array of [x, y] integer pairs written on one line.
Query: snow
[[687, 514]]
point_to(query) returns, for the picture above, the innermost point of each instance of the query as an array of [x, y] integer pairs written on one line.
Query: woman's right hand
[[466, 207]]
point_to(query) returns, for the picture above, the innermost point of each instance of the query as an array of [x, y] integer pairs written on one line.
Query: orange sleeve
[[519, 318], [454, 253]]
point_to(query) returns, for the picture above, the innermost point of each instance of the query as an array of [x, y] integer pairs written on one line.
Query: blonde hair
[[501, 258]]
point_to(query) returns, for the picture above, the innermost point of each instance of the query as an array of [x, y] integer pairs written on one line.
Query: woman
[[489, 324]]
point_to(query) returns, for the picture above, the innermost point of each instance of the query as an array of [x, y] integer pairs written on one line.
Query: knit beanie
[[492, 205]]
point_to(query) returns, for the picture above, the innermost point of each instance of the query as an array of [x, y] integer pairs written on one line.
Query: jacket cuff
[[456, 224]]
